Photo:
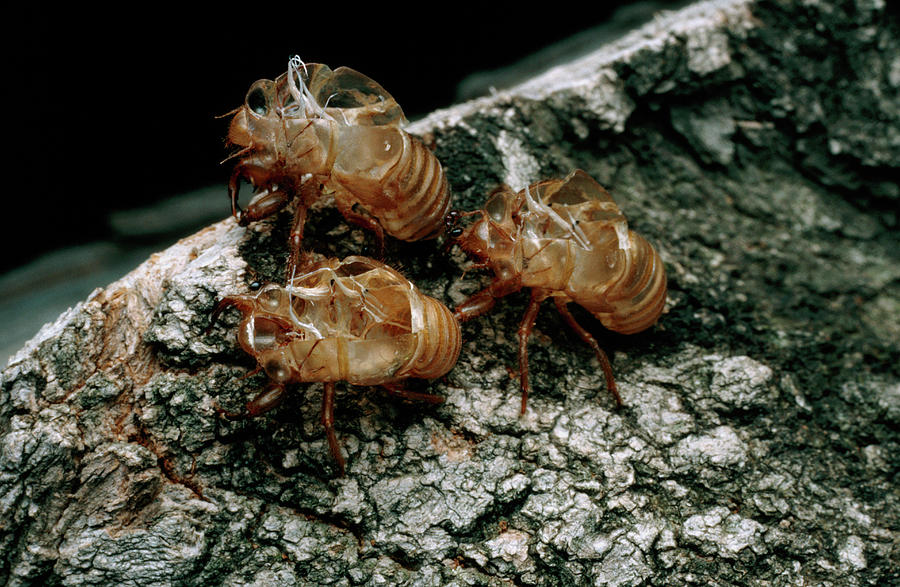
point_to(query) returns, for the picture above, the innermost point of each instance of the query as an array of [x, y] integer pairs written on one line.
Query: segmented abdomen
[[423, 196], [439, 342], [633, 300]]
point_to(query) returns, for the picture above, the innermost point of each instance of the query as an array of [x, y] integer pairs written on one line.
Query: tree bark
[[755, 144]]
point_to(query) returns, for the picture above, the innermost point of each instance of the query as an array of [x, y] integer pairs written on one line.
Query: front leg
[[266, 202], [525, 328], [482, 302], [328, 423], [296, 256], [310, 191], [266, 400], [398, 390], [240, 302], [592, 342], [345, 207]]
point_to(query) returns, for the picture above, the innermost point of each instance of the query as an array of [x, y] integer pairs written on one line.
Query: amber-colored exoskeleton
[[567, 240], [314, 129], [355, 320]]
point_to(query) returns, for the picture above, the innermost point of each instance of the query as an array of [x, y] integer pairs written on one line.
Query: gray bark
[[756, 144]]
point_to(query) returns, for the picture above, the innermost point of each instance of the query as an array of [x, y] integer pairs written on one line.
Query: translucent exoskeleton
[[313, 130], [567, 240], [354, 320]]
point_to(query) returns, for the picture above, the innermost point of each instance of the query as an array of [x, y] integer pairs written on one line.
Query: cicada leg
[[267, 201], [481, 302], [234, 189], [586, 337], [476, 305], [240, 302], [328, 423], [477, 266], [266, 400], [400, 391], [364, 221], [296, 256], [525, 328]]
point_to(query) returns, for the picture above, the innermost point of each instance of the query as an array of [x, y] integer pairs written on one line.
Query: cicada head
[[281, 129], [492, 235], [256, 124], [268, 319], [272, 108], [266, 324]]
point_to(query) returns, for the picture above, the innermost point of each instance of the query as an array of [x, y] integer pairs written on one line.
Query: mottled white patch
[[721, 532], [740, 382], [721, 447], [521, 166], [852, 553], [708, 51]]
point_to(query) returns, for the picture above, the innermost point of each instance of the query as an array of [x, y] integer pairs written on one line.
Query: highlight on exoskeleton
[[355, 320], [566, 240], [313, 130]]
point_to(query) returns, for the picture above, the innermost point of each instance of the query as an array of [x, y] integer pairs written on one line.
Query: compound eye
[[270, 297], [455, 232], [256, 100]]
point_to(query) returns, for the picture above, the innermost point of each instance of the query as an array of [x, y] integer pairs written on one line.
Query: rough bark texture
[[755, 143]]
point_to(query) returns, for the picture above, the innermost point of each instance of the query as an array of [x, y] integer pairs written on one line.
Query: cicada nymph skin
[[567, 240], [355, 320], [314, 129]]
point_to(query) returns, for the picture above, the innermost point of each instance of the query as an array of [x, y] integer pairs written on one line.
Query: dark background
[[109, 111]]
